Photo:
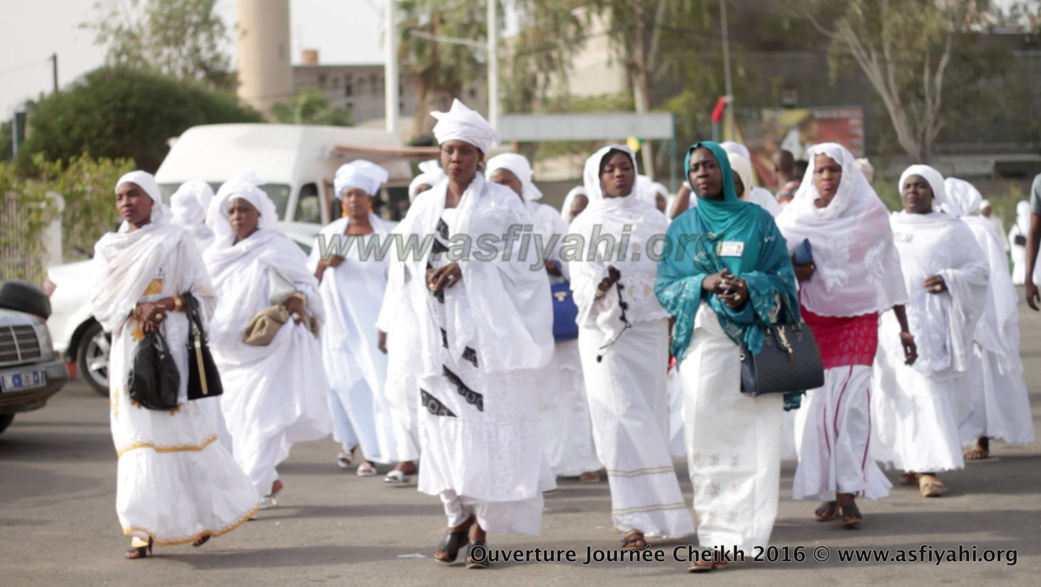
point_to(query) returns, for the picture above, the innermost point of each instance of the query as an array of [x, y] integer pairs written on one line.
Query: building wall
[[264, 67]]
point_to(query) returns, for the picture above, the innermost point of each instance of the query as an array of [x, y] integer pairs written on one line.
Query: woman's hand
[[910, 349], [735, 290], [445, 277], [332, 261], [935, 284], [297, 308], [803, 272], [151, 315], [613, 275]]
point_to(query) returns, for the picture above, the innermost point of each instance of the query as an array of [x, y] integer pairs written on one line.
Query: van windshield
[[278, 192]]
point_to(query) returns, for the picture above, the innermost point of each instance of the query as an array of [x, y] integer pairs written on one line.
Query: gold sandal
[[930, 486]]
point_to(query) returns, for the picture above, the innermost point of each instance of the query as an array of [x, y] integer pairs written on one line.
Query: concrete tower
[[265, 69]]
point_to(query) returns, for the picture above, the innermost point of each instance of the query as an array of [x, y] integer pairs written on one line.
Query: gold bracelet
[[177, 303]]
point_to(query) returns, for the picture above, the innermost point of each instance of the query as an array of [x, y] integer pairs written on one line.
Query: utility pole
[[493, 64], [54, 70], [729, 112], [390, 67]]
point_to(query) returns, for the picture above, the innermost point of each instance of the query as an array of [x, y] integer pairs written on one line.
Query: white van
[[297, 162]]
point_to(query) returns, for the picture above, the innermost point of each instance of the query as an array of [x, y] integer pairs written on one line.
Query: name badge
[[731, 248], [902, 237]]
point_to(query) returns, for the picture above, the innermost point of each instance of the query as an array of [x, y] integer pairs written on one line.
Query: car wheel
[[92, 357], [5, 421]]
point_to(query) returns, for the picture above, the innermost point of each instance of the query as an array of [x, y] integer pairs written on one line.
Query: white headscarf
[[1023, 216], [146, 181], [962, 198], [858, 268], [736, 149], [462, 124], [517, 165], [984, 204], [245, 186], [929, 174], [569, 200], [360, 174], [190, 202], [430, 173], [866, 168], [744, 170]]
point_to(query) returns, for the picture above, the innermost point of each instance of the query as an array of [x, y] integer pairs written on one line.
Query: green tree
[[905, 50], [310, 107], [119, 112], [538, 57], [182, 38]]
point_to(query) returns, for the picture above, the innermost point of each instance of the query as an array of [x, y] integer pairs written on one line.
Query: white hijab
[[146, 181], [245, 186], [933, 177], [858, 268], [569, 200], [190, 204], [430, 174], [517, 165], [360, 174]]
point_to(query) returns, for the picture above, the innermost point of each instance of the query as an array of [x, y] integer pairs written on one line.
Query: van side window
[[308, 206]]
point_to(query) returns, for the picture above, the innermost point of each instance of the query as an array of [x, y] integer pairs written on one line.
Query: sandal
[[701, 566], [268, 501], [976, 453], [453, 541], [477, 564], [202, 540], [909, 478], [140, 551], [851, 517], [366, 469], [634, 539], [930, 486], [396, 476], [589, 477], [345, 460], [828, 511]]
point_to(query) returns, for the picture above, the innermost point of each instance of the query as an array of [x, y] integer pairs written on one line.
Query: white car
[[78, 337]]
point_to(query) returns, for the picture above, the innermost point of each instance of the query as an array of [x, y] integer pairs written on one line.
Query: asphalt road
[[58, 524]]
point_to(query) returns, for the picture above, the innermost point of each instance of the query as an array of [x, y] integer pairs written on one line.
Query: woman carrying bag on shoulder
[[146, 267], [264, 334]]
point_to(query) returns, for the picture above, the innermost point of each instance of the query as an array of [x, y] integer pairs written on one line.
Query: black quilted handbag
[[788, 362]]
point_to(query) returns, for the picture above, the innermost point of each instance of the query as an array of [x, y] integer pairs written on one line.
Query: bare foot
[[980, 451]]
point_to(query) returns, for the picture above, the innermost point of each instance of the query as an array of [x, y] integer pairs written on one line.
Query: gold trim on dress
[[183, 448], [211, 533]]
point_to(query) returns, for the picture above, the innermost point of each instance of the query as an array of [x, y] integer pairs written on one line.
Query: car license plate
[[23, 380]]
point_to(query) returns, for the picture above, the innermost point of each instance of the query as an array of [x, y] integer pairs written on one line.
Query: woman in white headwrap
[[275, 393], [1017, 240], [853, 277], [353, 275], [430, 174], [175, 484], [566, 435], [189, 204], [484, 326], [624, 342], [913, 406], [992, 394], [574, 204]]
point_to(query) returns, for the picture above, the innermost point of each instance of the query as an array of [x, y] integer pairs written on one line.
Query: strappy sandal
[[140, 551], [828, 511], [851, 517], [909, 479], [345, 459], [634, 539], [452, 542], [930, 486], [477, 564], [396, 476]]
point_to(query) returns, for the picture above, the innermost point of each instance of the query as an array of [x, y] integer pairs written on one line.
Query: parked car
[[30, 370], [79, 338]]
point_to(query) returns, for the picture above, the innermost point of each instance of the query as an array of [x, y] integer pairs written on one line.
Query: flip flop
[[851, 517], [366, 469], [828, 511], [395, 476], [930, 486]]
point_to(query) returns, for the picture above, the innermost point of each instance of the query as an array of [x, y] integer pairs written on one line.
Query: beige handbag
[[262, 329]]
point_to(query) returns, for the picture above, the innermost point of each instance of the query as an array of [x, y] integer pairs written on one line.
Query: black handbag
[[203, 377], [788, 362], [154, 380]]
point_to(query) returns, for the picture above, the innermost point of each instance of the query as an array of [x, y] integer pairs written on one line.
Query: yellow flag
[[633, 143]]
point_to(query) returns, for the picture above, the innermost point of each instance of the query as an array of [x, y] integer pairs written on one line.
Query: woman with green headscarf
[[725, 275]]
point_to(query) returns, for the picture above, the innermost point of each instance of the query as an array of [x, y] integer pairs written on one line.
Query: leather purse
[[203, 376], [154, 380], [263, 327], [789, 361], [564, 312]]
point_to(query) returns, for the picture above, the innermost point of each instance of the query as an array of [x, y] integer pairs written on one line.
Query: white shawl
[[639, 270], [501, 308], [943, 324], [858, 269]]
